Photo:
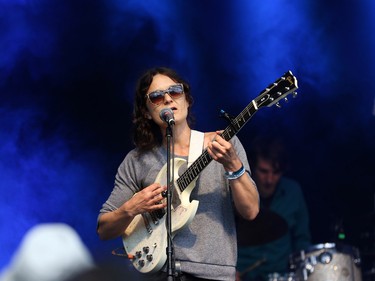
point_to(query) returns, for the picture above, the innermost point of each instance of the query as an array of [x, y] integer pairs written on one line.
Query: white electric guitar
[[145, 239]]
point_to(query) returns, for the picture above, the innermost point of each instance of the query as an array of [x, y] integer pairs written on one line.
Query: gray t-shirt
[[207, 247]]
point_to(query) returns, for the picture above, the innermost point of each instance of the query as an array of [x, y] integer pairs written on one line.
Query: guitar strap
[[196, 146]]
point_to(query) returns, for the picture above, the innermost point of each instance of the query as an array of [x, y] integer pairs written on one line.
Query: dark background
[[67, 77]]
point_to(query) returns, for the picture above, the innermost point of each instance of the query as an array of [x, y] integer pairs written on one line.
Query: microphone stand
[[171, 270]]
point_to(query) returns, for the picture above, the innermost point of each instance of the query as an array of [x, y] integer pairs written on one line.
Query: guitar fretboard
[[204, 159]]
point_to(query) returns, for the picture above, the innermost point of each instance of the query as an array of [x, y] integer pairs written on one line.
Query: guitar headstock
[[280, 89]]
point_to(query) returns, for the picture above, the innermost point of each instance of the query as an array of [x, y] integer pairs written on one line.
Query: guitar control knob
[[138, 254], [146, 249], [141, 263], [149, 257]]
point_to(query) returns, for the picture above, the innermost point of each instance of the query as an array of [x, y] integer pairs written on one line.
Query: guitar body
[[145, 239]]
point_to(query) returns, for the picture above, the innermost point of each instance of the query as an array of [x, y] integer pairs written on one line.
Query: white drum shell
[[327, 262]]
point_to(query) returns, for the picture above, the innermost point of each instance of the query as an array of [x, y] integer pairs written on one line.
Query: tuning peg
[[278, 105], [295, 94], [286, 99]]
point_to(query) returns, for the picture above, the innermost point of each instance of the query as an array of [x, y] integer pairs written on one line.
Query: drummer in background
[[282, 225]]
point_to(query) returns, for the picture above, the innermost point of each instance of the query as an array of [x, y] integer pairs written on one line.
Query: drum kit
[[332, 262], [327, 262]]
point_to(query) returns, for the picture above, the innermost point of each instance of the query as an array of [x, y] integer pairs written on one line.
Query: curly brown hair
[[146, 133]]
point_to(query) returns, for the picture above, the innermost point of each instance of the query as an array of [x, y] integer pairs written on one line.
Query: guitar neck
[[237, 123], [271, 95], [204, 159]]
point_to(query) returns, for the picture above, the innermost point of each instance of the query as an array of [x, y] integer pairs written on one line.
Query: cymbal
[[266, 227]]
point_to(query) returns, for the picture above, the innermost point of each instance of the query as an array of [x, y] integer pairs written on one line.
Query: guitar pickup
[[160, 213], [157, 215], [147, 224]]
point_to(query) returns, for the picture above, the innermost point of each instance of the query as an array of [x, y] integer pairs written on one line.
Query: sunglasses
[[174, 91]]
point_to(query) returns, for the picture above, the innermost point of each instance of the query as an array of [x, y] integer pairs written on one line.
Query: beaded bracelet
[[236, 174]]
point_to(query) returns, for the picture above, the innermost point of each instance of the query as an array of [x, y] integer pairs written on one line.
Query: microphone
[[166, 114]]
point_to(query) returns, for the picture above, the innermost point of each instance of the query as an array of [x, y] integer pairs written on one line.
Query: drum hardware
[[325, 257], [307, 265], [281, 277], [309, 268]]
